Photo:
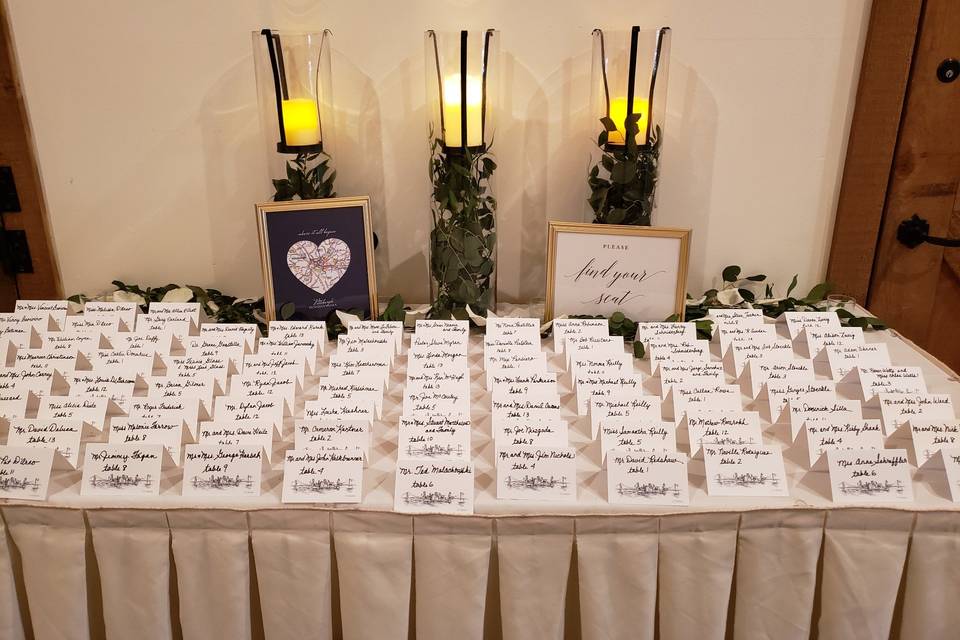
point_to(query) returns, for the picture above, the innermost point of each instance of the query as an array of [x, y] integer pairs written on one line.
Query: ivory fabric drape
[[311, 573]]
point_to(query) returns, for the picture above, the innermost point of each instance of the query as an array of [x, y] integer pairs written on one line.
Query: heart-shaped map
[[319, 266]]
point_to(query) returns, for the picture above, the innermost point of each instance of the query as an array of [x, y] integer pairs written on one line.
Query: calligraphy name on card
[[647, 478], [841, 434], [392, 328], [525, 409], [434, 487], [740, 353], [843, 359], [869, 475], [747, 470], [736, 428], [563, 327], [516, 363], [200, 387], [359, 366], [264, 365], [378, 345], [929, 436], [799, 412], [745, 334], [151, 343], [519, 384], [593, 346], [437, 380], [731, 317], [93, 411], [874, 380], [168, 433], [252, 433], [339, 410], [363, 390], [648, 330], [47, 359], [203, 347], [322, 476], [617, 433], [897, 408], [185, 408], [14, 404], [61, 435], [759, 371], [426, 343], [266, 409], [694, 397], [609, 364], [530, 433], [674, 350], [638, 408], [246, 332], [125, 311], [708, 373], [121, 469], [25, 472], [437, 401], [778, 392], [798, 321], [434, 437], [819, 339], [535, 473], [222, 470], [13, 381], [509, 327], [284, 385], [332, 434], [605, 386]]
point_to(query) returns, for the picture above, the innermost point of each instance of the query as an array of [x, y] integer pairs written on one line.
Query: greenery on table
[[463, 240], [623, 182], [306, 183], [218, 306]]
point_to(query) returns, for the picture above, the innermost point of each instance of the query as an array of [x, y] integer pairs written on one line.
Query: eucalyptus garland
[[624, 181], [463, 240]]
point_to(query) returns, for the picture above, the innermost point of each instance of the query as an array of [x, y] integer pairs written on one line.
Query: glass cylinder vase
[[628, 95], [295, 98], [462, 76]]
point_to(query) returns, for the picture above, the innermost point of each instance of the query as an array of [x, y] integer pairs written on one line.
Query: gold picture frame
[[555, 228], [322, 207]]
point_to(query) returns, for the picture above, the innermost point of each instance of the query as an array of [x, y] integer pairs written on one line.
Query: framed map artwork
[[317, 257]]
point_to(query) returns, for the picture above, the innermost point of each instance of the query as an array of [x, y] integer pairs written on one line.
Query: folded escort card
[[929, 436], [117, 388], [497, 347], [647, 477], [778, 392], [799, 412], [15, 381], [578, 346], [676, 349], [244, 331], [269, 409], [618, 433], [127, 312], [284, 385], [759, 371], [703, 373], [515, 363], [704, 397], [63, 436], [374, 345], [506, 385], [322, 476], [948, 459], [310, 331], [185, 408], [543, 409], [207, 346], [874, 380], [736, 428], [250, 433], [365, 390], [768, 349], [798, 321], [166, 432], [843, 359], [441, 486], [122, 469], [434, 437], [201, 387], [222, 470], [735, 317], [819, 339], [332, 435], [393, 328], [350, 410], [444, 401], [611, 364], [577, 327], [506, 327], [898, 408], [736, 334], [631, 407], [828, 435], [605, 386], [25, 472], [512, 432], [93, 411], [648, 330], [869, 475], [745, 470], [535, 473]]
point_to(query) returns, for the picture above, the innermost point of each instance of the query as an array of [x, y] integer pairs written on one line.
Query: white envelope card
[[648, 477], [869, 475], [746, 470], [437, 486], [534, 473], [322, 476]]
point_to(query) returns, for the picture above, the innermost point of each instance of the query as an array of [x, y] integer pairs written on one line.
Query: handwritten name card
[[737, 428], [778, 392], [222, 470], [360, 390], [60, 435], [322, 476], [869, 475], [530, 433], [897, 408], [744, 334], [648, 330], [708, 373], [843, 359], [121, 469], [332, 434], [168, 433], [93, 411], [747, 470], [701, 397], [617, 433], [393, 328], [658, 478], [244, 331], [126, 312], [579, 327], [799, 412], [798, 321], [759, 371], [674, 350], [632, 407], [434, 437], [25, 472], [735, 317], [605, 386], [841, 434], [929, 436], [819, 339], [874, 380], [534, 473], [768, 350], [442, 486]]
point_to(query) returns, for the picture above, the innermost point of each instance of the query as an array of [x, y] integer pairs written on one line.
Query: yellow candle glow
[[451, 111], [301, 122], [618, 113]]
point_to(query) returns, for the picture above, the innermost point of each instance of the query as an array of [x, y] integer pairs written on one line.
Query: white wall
[[151, 155]]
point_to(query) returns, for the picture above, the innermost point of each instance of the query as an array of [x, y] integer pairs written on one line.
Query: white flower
[[213, 306], [180, 294], [729, 297], [127, 296]]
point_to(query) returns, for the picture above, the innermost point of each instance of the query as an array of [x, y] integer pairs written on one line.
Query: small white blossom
[[180, 294], [729, 297]]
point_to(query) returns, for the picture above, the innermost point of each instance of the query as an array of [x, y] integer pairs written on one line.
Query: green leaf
[[608, 123], [793, 285], [747, 295], [638, 350], [617, 317], [616, 216], [757, 278], [731, 273], [818, 293], [287, 310]]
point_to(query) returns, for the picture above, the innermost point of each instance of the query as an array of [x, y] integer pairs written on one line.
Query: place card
[[40, 322], [459, 329], [166, 432], [508, 384], [88, 345], [746, 470], [530, 433], [445, 401], [93, 411], [869, 475], [442, 486], [116, 387], [647, 478], [267, 366], [431, 343], [819, 339], [14, 381], [736, 428], [758, 371], [434, 437], [630, 407], [393, 328], [314, 331], [370, 345], [14, 404], [534, 473], [125, 363], [121, 469], [48, 359], [176, 311], [185, 408], [332, 435], [440, 380], [291, 347], [61, 435], [648, 330], [188, 367], [578, 327], [83, 327], [799, 412], [778, 392], [618, 433], [507, 327], [208, 346], [602, 365], [929, 436], [728, 317], [348, 410], [249, 432], [841, 434], [247, 332], [505, 346], [363, 366], [25, 472], [738, 334], [897, 408], [874, 380], [56, 310], [267, 409], [675, 350], [843, 359], [222, 470], [360, 390], [148, 324], [703, 373], [798, 321], [322, 476], [284, 385], [126, 311], [20, 334], [605, 386], [515, 363], [542, 409], [201, 387], [768, 350], [593, 346], [704, 397]]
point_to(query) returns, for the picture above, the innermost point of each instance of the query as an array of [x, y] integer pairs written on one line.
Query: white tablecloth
[[81, 567]]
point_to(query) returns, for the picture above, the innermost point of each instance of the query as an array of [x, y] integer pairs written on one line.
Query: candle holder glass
[[295, 98], [462, 72], [628, 95]]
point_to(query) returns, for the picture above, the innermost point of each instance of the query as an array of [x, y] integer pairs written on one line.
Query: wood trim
[[17, 150], [884, 75]]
